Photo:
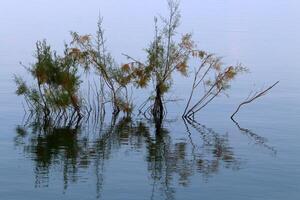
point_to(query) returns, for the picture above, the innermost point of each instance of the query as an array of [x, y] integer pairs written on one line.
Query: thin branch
[[254, 97], [133, 59]]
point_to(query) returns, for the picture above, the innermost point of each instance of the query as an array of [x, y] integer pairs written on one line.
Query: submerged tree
[[93, 53], [55, 97], [165, 56], [210, 80], [55, 93]]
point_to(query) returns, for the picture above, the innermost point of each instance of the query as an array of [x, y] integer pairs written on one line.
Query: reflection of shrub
[[168, 160]]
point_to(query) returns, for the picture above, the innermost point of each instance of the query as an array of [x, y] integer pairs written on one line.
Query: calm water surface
[[207, 159]]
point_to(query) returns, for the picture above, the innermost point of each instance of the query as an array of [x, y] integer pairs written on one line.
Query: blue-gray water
[[217, 161]]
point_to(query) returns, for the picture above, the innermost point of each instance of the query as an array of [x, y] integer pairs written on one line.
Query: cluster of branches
[[58, 80], [56, 96], [210, 80], [165, 56], [55, 93], [94, 56]]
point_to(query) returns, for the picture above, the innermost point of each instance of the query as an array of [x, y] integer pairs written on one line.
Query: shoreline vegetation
[[56, 98]]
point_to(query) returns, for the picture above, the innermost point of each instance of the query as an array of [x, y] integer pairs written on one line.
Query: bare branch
[[253, 97]]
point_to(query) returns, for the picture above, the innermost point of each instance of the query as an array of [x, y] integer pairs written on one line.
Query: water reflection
[[258, 140], [170, 161]]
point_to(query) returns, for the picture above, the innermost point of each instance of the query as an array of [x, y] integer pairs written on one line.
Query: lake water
[[208, 159]]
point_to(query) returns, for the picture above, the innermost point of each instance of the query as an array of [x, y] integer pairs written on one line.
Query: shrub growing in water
[[55, 93], [93, 54], [166, 56]]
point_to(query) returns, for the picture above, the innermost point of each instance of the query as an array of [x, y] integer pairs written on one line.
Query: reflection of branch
[[258, 139], [204, 132], [190, 137], [253, 97], [216, 149]]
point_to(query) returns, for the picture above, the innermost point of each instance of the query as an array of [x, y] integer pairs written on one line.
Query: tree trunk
[[77, 109], [158, 108]]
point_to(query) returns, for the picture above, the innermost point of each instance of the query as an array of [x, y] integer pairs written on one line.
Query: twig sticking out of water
[[253, 97]]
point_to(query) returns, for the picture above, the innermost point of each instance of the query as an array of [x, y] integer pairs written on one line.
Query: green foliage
[[22, 88], [56, 91], [57, 82], [165, 56], [93, 55]]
